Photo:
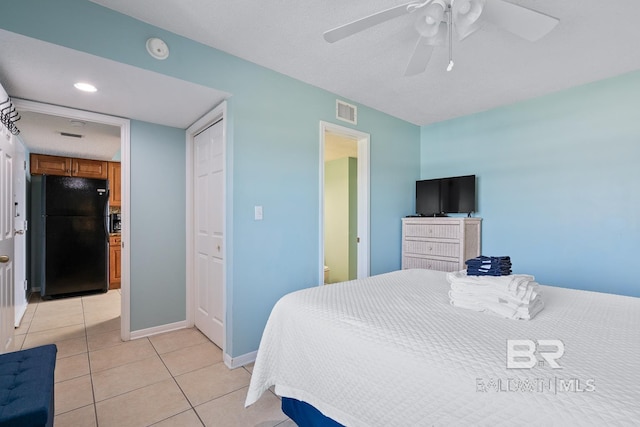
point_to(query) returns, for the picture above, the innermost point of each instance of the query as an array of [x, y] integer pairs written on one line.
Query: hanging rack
[[9, 116]]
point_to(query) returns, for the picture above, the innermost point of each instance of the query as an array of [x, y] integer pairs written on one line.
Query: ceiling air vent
[[71, 135], [346, 112]]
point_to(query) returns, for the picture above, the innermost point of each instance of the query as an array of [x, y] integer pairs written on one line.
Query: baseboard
[[142, 333], [236, 362], [21, 315]]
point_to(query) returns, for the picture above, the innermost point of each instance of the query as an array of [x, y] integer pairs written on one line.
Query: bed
[[390, 350]]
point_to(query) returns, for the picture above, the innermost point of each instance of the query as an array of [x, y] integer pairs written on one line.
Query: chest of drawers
[[439, 243]]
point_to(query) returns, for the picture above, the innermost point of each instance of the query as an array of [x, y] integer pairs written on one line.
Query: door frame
[[125, 162], [364, 161], [209, 119]]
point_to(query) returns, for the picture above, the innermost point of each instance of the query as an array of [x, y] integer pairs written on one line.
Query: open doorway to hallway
[[344, 194], [340, 207]]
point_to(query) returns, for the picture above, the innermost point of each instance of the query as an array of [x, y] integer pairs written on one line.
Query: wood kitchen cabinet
[[114, 184], [42, 164], [115, 262]]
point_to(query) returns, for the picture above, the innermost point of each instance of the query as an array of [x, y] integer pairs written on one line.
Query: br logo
[[521, 354]]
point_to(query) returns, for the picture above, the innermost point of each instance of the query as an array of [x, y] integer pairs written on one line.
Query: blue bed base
[[305, 415]]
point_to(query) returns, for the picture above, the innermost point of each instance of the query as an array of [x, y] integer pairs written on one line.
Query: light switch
[[258, 213]]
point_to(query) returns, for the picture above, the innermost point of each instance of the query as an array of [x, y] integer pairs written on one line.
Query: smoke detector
[[157, 48]]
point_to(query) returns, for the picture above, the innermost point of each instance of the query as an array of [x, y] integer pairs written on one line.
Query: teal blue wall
[[273, 160], [157, 225], [557, 181]]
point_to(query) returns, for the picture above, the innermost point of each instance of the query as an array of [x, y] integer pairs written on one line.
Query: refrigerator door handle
[[106, 215]]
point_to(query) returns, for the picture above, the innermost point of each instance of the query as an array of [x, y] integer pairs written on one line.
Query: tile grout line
[[86, 339], [177, 385], [35, 310]]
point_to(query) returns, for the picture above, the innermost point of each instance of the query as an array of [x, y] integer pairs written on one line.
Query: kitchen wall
[[557, 182], [273, 150]]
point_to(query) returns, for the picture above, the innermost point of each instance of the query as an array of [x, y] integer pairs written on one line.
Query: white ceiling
[[44, 133], [594, 40], [35, 70]]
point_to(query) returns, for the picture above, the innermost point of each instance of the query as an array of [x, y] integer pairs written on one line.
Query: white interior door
[[7, 161], [209, 163], [20, 235]]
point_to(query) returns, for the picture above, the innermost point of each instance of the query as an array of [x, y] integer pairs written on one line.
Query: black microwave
[[115, 223]]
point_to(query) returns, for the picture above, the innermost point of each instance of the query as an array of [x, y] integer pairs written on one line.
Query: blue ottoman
[[26, 387]]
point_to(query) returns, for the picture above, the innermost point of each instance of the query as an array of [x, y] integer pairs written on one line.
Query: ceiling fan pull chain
[[450, 66]]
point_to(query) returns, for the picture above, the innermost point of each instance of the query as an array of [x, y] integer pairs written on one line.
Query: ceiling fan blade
[[354, 27], [521, 21], [420, 57], [423, 50]]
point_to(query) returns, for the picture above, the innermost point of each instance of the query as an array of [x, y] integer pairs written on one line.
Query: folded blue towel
[[485, 266], [489, 266], [488, 269], [489, 260], [488, 273]]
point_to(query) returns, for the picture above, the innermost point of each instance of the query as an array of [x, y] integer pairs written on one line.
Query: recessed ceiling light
[[85, 87]]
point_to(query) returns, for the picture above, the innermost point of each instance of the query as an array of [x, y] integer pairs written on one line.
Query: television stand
[[439, 243]]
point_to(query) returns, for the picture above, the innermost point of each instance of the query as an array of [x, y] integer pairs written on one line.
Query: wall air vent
[[71, 135], [346, 112]]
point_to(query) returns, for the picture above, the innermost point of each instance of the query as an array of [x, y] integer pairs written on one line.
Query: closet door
[[209, 220]]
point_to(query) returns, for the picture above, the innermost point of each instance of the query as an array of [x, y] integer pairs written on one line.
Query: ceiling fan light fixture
[[440, 37], [466, 16], [429, 19]]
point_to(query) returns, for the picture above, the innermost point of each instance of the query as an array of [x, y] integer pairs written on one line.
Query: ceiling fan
[[436, 20]]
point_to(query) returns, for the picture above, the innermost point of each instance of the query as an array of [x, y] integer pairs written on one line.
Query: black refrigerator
[[70, 235]]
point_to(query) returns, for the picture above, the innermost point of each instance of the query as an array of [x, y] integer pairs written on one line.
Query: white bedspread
[[391, 351]]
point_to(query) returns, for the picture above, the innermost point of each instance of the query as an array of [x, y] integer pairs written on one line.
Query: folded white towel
[[514, 284], [501, 309], [515, 296], [526, 294], [494, 297]]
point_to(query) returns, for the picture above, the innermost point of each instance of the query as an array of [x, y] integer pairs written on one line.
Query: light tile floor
[[173, 379]]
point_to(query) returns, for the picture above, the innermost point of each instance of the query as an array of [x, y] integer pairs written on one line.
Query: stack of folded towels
[[513, 296], [489, 266]]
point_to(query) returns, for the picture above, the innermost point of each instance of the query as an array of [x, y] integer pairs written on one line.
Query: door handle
[[19, 232], [4, 259]]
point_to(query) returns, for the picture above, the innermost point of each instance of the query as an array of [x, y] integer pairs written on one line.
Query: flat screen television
[[442, 196]]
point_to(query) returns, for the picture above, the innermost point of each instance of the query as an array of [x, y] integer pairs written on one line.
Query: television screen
[[446, 195], [428, 197]]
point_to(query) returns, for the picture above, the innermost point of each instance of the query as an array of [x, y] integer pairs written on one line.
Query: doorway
[[124, 126], [344, 204]]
